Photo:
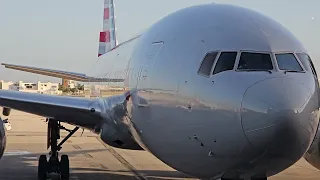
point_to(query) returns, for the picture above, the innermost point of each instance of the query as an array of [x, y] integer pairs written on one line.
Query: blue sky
[[63, 34]]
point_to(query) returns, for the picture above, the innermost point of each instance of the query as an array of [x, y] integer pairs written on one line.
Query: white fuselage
[[210, 127]]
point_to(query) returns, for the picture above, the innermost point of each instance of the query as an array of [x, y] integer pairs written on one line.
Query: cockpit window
[[307, 63], [207, 63], [225, 62], [255, 61], [288, 62]]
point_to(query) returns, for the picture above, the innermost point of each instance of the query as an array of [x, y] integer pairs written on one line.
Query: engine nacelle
[[118, 137], [312, 156], [3, 138]]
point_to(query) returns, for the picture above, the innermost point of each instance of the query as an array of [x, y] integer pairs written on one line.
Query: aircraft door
[[143, 85]]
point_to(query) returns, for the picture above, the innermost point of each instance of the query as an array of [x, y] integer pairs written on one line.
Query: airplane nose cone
[[279, 117]]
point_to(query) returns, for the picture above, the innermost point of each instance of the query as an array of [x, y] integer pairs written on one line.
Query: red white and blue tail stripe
[[108, 38]]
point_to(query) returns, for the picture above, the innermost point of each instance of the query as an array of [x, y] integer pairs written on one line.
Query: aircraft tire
[[42, 167], [64, 167]]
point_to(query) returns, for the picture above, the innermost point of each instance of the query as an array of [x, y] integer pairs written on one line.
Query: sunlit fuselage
[[235, 124]]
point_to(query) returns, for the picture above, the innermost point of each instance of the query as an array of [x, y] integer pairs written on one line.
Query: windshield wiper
[[293, 71], [256, 70]]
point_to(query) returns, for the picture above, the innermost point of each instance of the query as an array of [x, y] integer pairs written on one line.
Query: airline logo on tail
[[108, 38]]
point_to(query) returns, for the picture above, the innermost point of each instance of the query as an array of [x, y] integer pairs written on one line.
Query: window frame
[[314, 70], [252, 51], [288, 52], [213, 65], [217, 59], [272, 54], [311, 63]]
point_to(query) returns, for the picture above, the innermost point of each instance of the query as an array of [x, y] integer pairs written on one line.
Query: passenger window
[[288, 62], [207, 63], [255, 61], [307, 63], [225, 62]]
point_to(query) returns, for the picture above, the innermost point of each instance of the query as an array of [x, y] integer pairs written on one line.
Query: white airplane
[[213, 90]]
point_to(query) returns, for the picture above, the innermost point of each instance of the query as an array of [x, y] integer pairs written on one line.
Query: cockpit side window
[[225, 62], [207, 63], [307, 63], [255, 61], [288, 62], [313, 68]]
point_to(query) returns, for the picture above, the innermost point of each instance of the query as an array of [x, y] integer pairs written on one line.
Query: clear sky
[[63, 34]]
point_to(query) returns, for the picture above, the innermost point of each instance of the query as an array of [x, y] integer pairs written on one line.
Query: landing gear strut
[[53, 165]]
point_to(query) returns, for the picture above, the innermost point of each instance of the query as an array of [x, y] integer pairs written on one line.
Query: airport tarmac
[[91, 159]]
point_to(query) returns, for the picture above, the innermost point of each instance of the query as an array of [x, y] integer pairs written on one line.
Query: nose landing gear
[[53, 165]]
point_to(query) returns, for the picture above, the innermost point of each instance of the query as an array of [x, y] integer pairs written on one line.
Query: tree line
[[79, 87]]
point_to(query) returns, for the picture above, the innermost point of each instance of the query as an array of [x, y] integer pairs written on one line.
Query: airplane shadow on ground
[[148, 174], [23, 167]]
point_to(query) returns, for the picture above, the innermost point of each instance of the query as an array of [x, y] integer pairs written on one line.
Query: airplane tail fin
[[108, 38]]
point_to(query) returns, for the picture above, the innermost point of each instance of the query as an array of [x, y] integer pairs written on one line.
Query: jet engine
[[3, 138], [313, 154]]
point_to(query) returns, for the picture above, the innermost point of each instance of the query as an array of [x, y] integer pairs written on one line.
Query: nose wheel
[[53, 165]]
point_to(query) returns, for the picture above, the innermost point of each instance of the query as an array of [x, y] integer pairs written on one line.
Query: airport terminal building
[[38, 87]]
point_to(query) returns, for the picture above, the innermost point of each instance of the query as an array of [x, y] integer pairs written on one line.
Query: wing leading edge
[[82, 112], [60, 74]]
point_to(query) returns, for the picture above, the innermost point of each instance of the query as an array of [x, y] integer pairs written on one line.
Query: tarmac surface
[[92, 159]]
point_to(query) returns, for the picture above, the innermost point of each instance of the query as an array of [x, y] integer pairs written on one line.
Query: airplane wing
[[83, 112], [66, 109], [60, 74]]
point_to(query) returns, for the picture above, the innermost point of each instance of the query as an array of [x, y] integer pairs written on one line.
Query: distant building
[[68, 83], [65, 82], [39, 87], [6, 85], [72, 84]]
